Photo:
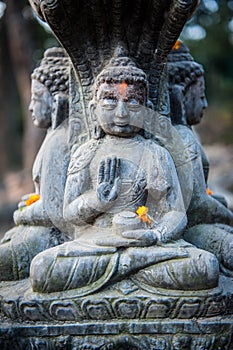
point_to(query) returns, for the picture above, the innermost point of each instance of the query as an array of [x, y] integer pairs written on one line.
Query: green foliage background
[[215, 52]]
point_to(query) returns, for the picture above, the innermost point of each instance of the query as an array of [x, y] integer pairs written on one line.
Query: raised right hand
[[108, 180]]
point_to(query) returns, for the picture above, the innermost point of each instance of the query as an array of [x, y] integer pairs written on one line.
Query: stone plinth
[[212, 333], [123, 316]]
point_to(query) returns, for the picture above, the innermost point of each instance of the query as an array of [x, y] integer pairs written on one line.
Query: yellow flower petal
[[32, 199], [142, 211]]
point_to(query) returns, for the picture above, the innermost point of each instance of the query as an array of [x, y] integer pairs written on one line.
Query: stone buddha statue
[[39, 223], [123, 197], [210, 221]]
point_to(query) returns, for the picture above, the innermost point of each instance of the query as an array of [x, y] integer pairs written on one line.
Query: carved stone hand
[[108, 180], [141, 237]]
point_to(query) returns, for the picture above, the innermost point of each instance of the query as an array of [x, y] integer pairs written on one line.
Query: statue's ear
[[60, 109], [176, 93], [97, 131], [92, 108]]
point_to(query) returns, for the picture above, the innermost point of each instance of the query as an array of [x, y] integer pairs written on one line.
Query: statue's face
[[195, 102], [119, 108], [41, 104]]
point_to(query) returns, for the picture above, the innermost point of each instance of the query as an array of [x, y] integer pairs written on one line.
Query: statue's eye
[[109, 103], [133, 103]]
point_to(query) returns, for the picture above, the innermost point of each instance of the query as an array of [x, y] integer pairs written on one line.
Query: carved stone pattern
[[113, 305], [221, 341], [181, 308], [49, 3], [79, 130], [89, 49]]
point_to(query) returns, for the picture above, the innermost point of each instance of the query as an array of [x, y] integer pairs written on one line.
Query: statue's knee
[[6, 263], [39, 271], [208, 267], [227, 252]]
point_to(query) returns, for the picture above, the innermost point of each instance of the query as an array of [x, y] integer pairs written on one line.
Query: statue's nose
[[205, 103], [30, 107], [122, 110]]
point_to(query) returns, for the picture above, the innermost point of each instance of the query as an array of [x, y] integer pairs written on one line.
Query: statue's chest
[[132, 172], [37, 165]]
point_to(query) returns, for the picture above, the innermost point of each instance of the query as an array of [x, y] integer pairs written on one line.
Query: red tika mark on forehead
[[122, 88]]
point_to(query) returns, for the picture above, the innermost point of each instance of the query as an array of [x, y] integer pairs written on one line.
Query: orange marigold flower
[[177, 45], [32, 199], [208, 191], [142, 213]]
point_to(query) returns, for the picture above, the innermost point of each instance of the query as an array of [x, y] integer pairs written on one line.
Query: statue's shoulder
[[81, 155], [190, 142], [155, 148], [186, 134]]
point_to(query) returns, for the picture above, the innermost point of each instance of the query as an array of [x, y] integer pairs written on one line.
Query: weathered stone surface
[[123, 317], [38, 221], [127, 280], [124, 300], [211, 334]]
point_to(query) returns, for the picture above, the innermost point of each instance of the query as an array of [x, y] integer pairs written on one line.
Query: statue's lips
[[121, 125]]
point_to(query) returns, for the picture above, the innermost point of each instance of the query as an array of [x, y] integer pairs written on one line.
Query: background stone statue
[[39, 224], [188, 101], [109, 178], [127, 279]]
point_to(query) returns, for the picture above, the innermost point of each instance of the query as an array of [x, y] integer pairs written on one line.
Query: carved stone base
[[121, 317], [212, 334]]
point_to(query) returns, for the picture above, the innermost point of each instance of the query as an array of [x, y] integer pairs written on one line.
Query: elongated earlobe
[[60, 109], [97, 131], [177, 105]]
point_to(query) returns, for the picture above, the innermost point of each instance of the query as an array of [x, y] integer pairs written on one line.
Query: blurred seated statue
[[39, 220], [209, 220], [123, 197]]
